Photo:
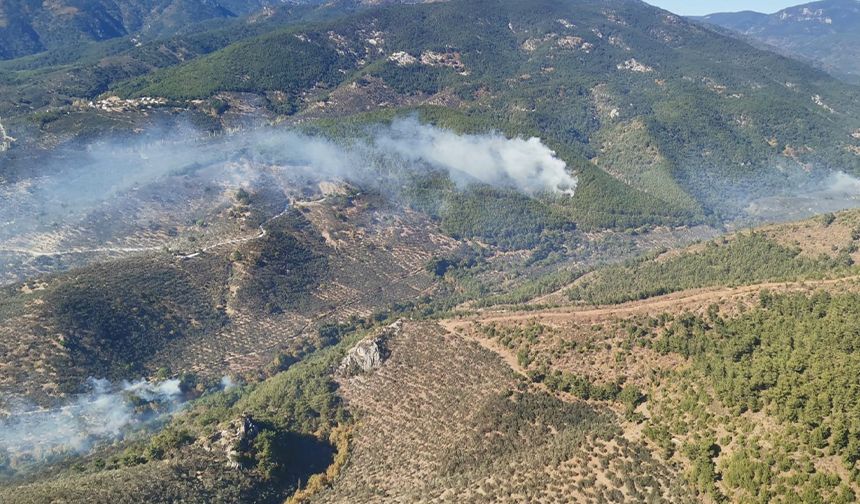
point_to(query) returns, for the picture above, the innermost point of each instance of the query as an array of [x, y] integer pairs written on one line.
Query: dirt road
[[679, 301], [137, 250]]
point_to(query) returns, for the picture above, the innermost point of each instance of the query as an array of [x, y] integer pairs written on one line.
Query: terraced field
[[445, 420], [374, 259], [673, 397]]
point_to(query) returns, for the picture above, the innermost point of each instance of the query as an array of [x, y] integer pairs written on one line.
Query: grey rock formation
[[369, 353], [235, 440], [5, 139]]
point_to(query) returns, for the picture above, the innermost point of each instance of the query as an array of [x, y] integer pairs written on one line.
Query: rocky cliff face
[[5, 139], [369, 353], [235, 440]]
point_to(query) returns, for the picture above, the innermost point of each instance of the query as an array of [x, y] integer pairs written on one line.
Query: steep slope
[[746, 388], [669, 111], [31, 26], [229, 309], [825, 32], [500, 441], [660, 103], [723, 394], [33, 87]]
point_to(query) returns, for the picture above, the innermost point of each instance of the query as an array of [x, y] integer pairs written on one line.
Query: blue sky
[[700, 7]]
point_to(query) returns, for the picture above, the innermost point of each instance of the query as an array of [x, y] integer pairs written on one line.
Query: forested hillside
[[732, 360], [580, 75], [28, 26], [374, 251], [697, 121]]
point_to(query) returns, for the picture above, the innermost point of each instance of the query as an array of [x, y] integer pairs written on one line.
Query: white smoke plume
[[527, 165], [837, 191], [104, 169], [107, 412], [115, 178], [228, 383], [5, 140], [842, 184]]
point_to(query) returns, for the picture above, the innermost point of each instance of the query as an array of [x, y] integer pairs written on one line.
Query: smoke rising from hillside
[[527, 165], [109, 166], [79, 180], [837, 191], [840, 183], [105, 413]]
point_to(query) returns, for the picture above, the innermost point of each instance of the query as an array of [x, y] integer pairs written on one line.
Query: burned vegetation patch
[[285, 266], [115, 316]]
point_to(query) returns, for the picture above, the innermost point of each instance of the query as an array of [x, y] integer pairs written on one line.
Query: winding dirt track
[[134, 250], [73, 251], [675, 302]]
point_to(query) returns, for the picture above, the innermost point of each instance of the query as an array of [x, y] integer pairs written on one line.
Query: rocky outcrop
[[532, 44], [816, 99], [571, 42], [116, 104], [5, 140], [450, 59], [235, 440], [369, 353], [634, 66], [403, 59]]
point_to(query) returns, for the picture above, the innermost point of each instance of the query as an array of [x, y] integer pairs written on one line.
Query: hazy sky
[[700, 7]]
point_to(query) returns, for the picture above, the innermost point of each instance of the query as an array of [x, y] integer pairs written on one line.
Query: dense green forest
[[55, 77], [792, 358], [747, 258], [505, 216], [273, 62]]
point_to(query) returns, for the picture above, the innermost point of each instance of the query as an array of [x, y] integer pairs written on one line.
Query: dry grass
[[814, 238]]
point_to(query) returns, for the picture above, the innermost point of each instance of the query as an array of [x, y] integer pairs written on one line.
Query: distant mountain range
[[31, 26], [826, 32]]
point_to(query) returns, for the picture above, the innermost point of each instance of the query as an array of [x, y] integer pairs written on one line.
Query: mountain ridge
[[586, 59], [825, 32], [657, 104], [31, 26], [556, 203]]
